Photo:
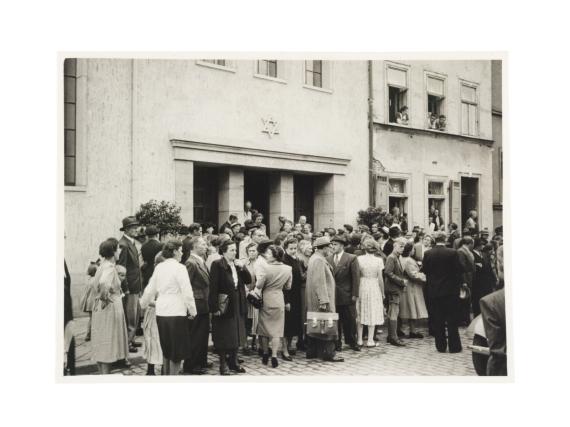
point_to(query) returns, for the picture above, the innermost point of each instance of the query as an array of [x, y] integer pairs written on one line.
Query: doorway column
[[329, 201], [281, 199], [184, 189], [230, 193]]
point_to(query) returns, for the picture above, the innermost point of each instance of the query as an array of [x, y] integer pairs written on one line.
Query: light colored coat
[[320, 284]]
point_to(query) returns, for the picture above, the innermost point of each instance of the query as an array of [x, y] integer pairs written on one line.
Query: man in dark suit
[[467, 262], [149, 249], [347, 284], [494, 322], [394, 284], [194, 230], [129, 258], [199, 276], [443, 272]]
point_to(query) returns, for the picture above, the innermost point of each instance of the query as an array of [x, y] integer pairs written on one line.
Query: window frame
[[230, 65], [400, 67], [473, 85], [406, 195], [326, 76], [67, 129], [444, 211], [279, 67], [443, 108], [80, 125]]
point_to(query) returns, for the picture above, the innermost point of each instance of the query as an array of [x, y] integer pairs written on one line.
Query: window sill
[[445, 134], [318, 89], [271, 79], [216, 66], [75, 188]]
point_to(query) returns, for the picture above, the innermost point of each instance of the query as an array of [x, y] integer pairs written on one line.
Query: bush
[[372, 215], [164, 215]]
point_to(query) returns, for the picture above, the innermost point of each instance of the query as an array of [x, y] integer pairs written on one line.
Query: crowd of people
[[254, 294]]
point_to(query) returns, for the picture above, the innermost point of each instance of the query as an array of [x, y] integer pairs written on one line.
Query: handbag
[[254, 300], [321, 323], [223, 303]]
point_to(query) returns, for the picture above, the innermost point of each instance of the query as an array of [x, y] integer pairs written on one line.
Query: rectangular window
[[398, 195], [435, 103], [69, 120], [436, 205], [469, 110], [397, 80], [314, 73], [220, 62], [267, 67]]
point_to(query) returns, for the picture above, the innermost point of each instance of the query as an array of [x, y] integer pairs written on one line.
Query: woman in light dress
[[412, 303], [109, 341], [152, 349], [369, 306]]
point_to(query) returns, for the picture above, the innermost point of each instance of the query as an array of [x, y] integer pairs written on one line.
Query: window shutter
[[381, 192], [397, 77], [468, 93], [435, 86], [464, 118], [455, 202], [472, 120]]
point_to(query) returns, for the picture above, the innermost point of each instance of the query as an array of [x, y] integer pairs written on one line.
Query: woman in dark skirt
[[293, 309], [174, 304], [227, 283]]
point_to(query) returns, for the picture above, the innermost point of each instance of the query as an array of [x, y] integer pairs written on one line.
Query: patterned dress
[[109, 341], [370, 307]]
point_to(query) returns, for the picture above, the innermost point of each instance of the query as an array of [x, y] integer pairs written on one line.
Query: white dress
[[370, 307]]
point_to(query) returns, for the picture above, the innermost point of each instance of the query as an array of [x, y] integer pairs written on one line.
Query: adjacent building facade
[[290, 136], [422, 166]]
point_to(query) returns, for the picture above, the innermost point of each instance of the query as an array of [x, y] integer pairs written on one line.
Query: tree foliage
[[165, 215], [373, 215]]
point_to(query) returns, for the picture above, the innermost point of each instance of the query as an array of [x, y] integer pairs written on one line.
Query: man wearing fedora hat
[[347, 277], [320, 296], [129, 258]]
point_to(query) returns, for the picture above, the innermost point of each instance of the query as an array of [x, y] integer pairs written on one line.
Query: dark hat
[[339, 239], [129, 222], [249, 224], [152, 230], [263, 245]]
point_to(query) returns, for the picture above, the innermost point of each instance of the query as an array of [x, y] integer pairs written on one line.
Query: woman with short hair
[[412, 302], [228, 306], [369, 308], [170, 289], [270, 282], [109, 340]]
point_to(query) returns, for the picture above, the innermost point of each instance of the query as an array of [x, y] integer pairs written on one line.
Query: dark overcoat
[[294, 317], [347, 278], [225, 332]]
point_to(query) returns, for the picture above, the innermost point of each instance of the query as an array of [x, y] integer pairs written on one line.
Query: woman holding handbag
[[272, 280], [228, 306]]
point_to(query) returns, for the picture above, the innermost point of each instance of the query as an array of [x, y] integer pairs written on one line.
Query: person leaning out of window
[[174, 306], [402, 117]]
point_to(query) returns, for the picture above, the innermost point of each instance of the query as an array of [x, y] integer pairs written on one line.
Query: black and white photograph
[[283, 216], [302, 213]]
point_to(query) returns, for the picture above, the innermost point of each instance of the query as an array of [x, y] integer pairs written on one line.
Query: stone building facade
[[290, 136], [417, 167]]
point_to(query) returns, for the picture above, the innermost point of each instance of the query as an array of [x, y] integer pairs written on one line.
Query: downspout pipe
[[370, 136]]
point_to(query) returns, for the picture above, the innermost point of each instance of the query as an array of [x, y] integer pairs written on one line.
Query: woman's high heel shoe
[[274, 362], [265, 359]]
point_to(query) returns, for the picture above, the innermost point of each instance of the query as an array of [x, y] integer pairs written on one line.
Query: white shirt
[[171, 283]]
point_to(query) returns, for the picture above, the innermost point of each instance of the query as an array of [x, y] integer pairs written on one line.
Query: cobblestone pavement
[[418, 358]]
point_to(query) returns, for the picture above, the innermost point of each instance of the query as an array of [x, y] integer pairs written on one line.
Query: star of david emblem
[[270, 127]]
